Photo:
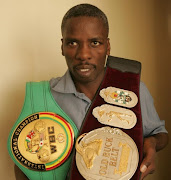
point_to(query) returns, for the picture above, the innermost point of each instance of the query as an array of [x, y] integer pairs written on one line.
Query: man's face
[[85, 46]]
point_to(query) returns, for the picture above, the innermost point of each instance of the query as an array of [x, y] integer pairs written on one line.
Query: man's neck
[[89, 88]]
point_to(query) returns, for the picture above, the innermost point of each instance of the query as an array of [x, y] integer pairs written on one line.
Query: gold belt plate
[[42, 141], [106, 154]]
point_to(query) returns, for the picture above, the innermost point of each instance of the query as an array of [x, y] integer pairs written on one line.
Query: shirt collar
[[66, 85]]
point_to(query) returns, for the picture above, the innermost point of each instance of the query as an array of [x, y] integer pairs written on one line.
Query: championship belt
[[110, 144], [41, 141]]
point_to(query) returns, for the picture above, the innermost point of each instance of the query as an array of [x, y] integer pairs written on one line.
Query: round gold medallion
[[105, 154], [42, 141]]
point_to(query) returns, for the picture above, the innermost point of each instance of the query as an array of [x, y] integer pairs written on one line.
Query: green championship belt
[[41, 141]]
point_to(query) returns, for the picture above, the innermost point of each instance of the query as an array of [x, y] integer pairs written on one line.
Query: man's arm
[[19, 175], [152, 144]]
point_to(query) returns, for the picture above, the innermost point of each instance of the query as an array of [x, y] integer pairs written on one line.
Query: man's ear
[[108, 46], [62, 47]]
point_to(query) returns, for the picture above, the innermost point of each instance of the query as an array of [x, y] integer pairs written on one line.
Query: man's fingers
[[145, 164], [146, 168], [147, 172], [143, 168]]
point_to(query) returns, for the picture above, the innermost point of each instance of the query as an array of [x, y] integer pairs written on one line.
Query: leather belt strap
[[124, 74]]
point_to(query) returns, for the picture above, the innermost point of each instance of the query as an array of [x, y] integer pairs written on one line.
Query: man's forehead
[[81, 19], [83, 23]]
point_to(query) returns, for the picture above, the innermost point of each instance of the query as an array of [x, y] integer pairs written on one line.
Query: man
[[85, 45]]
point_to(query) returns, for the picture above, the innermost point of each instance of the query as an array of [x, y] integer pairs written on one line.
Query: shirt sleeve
[[150, 119]]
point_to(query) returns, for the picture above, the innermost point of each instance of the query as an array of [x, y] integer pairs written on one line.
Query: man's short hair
[[86, 10]]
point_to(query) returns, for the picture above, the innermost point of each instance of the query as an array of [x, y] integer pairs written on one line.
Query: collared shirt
[[76, 104]]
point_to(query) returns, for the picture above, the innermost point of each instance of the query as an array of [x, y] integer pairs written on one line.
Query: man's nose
[[83, 52]]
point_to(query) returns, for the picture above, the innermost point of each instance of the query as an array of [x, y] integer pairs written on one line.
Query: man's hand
[[148, 164], [152, 144]]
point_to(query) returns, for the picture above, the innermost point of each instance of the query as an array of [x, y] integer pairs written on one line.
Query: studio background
[[30, 50]]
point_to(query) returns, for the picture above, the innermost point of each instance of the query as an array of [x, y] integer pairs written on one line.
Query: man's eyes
[[72, 43], [92, 43], [95, 43]]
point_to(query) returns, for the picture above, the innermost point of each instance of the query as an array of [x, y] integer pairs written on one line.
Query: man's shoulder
[[54, 81], [59, 80], [63, 84], [143, 86], [144, 92]]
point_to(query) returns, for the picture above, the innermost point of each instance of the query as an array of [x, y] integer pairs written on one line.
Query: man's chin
[[83, 79]]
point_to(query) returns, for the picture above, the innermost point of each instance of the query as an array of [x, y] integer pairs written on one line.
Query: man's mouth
[[84, 67], [84, 70]]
